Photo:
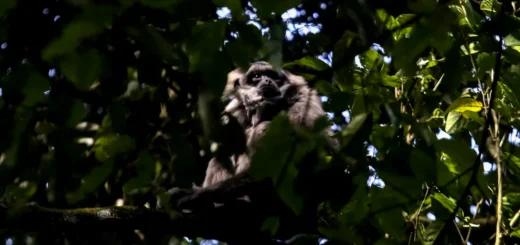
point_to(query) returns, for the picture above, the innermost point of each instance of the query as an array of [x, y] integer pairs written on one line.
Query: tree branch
[[232, 223]]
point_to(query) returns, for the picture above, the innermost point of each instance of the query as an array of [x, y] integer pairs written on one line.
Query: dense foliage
[[110, 103]]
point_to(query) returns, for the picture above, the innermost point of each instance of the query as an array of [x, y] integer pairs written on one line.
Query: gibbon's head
[[261, 82]]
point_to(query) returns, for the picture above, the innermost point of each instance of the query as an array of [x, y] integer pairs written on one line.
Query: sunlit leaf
[[465, 13], [448, 203], [490, 7], [391, 81], [389, 21], [515, 233], [371, 59], [512, 39], [462, 155], [511, 203], [465, 104], [454, 122]]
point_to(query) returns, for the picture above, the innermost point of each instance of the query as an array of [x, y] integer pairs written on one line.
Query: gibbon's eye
[[254, 78]]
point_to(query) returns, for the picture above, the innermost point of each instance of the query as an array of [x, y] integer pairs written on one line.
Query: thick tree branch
[[233, 223]]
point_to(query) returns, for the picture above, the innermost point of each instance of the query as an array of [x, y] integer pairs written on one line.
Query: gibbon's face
[[261, 83]]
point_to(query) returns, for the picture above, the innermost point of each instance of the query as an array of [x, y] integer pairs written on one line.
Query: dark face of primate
[[261, 89]]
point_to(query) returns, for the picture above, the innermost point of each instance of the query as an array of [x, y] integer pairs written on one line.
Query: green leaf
[[309, 61], [429, 235], [391, 81], [490, 7], [474, 116], [462, 155], [354, 126], [153, 42], [20, 193], [356, 209], [91, 22], [359, 106], [389, 21], [76, 113], [274, 45], [390, 220], [431, 31], [512, 39], [271, 223], [506, 93], [515, 233], [371, 59], [465, 104], [241, 52], [246, 47], [512, 159], [423, 166], [449, 203], [511, 202], [486, 62], [107, 147], [34, 89], [465, 14], [82, 68], [205, 40], [454, 122], [325, 87]]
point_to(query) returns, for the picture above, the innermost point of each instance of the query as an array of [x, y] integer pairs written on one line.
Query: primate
[[258, 94]]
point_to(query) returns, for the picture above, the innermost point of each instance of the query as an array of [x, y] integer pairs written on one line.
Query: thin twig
[[477, 207], [460, 233], [499, 182], [515, 218]]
